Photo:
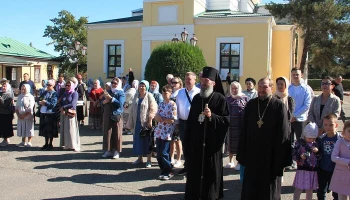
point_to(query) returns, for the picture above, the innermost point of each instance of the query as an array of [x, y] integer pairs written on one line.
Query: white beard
[[206, 92]]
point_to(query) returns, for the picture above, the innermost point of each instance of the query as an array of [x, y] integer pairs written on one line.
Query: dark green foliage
[[66, 29], [325, 27], [174, 58], [315, 84]]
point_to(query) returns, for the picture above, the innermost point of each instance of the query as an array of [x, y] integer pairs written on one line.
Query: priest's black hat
[[213, 74]]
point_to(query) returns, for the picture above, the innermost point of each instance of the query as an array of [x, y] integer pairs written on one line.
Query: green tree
[[324, 25], [64, 32], [174, 58]]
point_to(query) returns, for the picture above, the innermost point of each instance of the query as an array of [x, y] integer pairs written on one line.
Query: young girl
[[305, 154], [340, 182]]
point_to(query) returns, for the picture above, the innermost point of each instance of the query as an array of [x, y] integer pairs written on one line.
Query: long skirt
[[48, 125], [6, 130], [25, 127], [95, 116], [69, 138], [112, 131], [80, 113]]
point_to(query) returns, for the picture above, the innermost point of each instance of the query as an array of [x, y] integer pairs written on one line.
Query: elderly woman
[[129, 96], [6, 115], [154, 89], [113, 102], [95, 106], [70, 138], [48, 123], [324, 104], [236, 103], [251, 93], [24, 111], [143, 110]]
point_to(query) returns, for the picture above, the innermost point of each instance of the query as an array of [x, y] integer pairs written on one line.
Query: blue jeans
[[163, 156], [324, 179]]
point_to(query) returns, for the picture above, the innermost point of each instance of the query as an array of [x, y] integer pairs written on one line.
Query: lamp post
[[74, 52], [184, 36]]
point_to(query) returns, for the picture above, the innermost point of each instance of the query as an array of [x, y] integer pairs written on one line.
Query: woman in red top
[[95, 106]]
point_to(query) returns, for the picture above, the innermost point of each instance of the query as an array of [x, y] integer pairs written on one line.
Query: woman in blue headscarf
[[143, 110]]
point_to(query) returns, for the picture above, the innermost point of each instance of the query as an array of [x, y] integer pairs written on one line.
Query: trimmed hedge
[[315, 84], [173, 58]]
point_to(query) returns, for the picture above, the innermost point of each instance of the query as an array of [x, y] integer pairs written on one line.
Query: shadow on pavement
[[61, 157], [122, 197]]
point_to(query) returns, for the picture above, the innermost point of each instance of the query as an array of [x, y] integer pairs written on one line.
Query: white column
[[146, 53]]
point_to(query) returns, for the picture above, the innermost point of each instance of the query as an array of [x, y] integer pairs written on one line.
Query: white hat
[[310, 130], [4, 80]]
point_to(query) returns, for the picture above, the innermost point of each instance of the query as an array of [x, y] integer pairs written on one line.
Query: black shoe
[[182, 172], [49, 147], [44, 147]]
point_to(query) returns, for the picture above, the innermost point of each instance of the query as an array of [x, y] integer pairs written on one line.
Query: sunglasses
[[67, 85], [114, 83], [174, 82], [326, 83]]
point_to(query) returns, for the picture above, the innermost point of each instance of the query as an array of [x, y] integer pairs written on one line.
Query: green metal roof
[[229, 14], [9, 59], [126, 19], [13, 47]]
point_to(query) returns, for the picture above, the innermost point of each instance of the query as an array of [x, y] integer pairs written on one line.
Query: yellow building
[[234, 35], [17, 58]]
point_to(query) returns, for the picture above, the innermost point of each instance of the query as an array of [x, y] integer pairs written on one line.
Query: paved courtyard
[[30, 173]]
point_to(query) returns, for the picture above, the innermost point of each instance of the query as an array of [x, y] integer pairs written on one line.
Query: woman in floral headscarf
[[95, 106], [70, 138], [24, 111]]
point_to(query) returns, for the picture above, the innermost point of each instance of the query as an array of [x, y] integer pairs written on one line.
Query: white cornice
[[283, 27], [150, 1], [115, 25], [233, 20]]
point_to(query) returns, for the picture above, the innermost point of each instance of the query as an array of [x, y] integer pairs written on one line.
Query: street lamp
[[74, 52], [184, 36]]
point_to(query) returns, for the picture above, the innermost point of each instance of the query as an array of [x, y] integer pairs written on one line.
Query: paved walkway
[[29, 173]]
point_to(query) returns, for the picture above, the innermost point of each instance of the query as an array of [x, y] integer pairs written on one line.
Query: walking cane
[[203, 155]]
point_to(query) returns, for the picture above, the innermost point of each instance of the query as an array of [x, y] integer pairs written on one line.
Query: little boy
[[326, 144]]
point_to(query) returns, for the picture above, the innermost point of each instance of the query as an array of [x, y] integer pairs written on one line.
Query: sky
[[26, 20]]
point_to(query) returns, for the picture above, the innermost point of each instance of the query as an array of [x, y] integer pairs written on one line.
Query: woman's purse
[[145, 131], [71, 112], [115, 118]]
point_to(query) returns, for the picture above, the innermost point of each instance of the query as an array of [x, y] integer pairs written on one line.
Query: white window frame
[[120, 71], [239, 40]]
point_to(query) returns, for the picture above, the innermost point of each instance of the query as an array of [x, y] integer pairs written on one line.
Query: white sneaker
[[238, 166], [107, 154], [29, 144], [178, 164], [173, 161], [22, 144], [230, 165], [116, 155]]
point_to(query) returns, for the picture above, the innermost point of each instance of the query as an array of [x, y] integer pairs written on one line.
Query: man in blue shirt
[[29, 82], [302, 98]]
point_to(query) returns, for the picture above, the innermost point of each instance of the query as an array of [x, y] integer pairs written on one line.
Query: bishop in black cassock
[[204, 142], [263, 150]]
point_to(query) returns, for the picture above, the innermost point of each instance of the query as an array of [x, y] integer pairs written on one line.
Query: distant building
[[234, 36], [17, 58]]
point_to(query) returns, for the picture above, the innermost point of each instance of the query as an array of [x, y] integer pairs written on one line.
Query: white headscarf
[[119, 86], [27, 92], [283, 95], [135, 84], [239, 88]]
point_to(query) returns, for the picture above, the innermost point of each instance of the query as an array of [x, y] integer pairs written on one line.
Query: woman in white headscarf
[[236, 103], [112, 119], [129, 96], [70, 138], [95, 106], [24, 111]]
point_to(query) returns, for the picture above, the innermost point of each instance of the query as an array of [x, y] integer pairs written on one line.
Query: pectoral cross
[[260, 123]]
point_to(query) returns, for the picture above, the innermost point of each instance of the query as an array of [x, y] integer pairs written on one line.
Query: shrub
[[173, 58], [315, 84]]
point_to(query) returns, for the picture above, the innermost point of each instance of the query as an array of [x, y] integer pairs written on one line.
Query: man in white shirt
[[183, 103]]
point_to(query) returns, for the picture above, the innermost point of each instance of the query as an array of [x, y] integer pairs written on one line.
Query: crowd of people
[[262, 133]]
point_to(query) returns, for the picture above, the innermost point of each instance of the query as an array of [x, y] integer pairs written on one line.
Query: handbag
[[71, 112], [145, 131], [115, 118], [80, 103]]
